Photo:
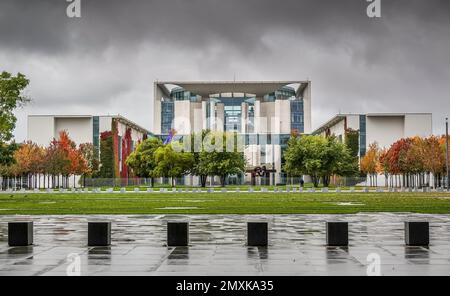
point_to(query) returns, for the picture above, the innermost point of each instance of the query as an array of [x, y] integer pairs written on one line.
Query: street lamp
[[446, 152]]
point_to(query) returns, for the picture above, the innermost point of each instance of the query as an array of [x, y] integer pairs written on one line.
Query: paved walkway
[[217, 246]]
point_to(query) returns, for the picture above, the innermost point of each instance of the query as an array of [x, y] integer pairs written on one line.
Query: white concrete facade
[[42, 129], [382, 128]]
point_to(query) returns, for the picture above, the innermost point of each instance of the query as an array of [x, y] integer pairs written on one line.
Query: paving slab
[[297, 246]]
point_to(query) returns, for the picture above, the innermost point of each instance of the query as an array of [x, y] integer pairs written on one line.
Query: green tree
[[106, 155], [142, 160], [7, 153], [11, 97], [352, 141], [222, 163], [200, 167], [318, 157], [171, 163]]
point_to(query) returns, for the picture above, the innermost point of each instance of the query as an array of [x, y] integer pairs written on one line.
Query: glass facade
[[167, 115], [284, 93], [269, 139], [297, 116], [96, 135], [232, 117], [362, 135], [179, 94]]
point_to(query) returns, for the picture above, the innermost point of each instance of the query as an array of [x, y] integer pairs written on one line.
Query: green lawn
[[223, 203]]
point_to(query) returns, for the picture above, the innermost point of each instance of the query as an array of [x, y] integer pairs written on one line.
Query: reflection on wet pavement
[[217, 246]]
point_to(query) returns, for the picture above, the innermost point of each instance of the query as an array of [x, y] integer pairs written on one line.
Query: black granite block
[[257, 234], [20, 233], [337, 233], [417, 233], [99, 233], [177, 233]]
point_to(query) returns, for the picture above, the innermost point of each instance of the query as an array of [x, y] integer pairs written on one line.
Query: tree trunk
[[222, 180], [203, 179]]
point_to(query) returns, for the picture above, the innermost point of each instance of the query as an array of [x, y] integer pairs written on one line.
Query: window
[[96, 135], [297, 115], [167, 114], [362, 135]]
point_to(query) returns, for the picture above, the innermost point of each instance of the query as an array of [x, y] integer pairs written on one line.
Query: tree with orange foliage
[[369, 164]]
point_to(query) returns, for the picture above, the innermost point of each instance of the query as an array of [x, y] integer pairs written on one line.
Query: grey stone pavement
[[217, 246]]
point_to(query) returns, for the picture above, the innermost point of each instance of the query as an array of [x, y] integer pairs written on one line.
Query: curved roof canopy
[[258, 88]]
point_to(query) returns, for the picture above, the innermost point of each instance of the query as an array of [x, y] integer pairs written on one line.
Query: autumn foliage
[[409, 162], [50, 166]]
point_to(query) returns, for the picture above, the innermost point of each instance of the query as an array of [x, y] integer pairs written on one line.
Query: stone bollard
[[337, 233], [263, 189], [417, 233], [365, 189], [338, 189], [99, 233], [325, 190], [137, 190], [257, 234], [251, 190], [300, 190], [149, 189], [352, 189], [123, 190], [177, 234], [36, 190], [20, 234], [223, 190]]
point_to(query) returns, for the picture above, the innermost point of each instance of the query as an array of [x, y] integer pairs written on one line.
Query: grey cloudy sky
[[106, 61]]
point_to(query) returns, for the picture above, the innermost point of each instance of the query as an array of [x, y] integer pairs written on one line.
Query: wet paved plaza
[[217, 246]]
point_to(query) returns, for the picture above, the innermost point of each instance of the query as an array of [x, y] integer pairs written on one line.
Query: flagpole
[[446, 152]]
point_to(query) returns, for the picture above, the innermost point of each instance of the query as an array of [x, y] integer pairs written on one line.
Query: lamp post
[[446, 152]]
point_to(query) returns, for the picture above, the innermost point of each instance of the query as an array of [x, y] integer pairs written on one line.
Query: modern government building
[[263, 113]]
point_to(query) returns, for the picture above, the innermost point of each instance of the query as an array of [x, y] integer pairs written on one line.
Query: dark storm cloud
[[35, 25], [111, 55]]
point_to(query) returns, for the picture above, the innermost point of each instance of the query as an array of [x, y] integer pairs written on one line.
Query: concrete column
[[307, 108]]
